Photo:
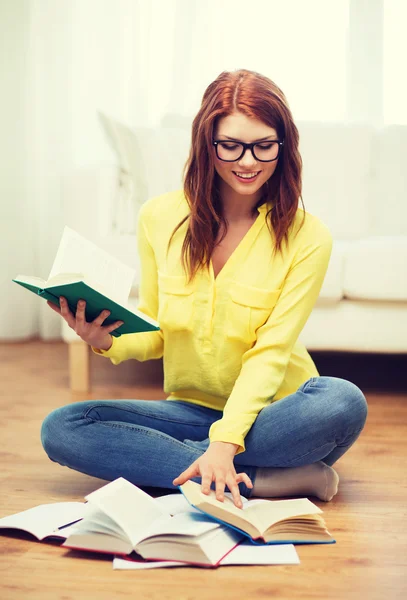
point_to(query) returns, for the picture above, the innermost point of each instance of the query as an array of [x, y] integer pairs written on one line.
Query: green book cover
[[134, 321]]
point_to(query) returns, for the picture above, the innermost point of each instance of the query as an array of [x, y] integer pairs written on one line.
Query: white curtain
[[64, 60]]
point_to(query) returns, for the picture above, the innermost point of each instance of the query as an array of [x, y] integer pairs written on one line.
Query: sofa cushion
[[336, 170], [387, 185], [376, 268], [332, 288], [357, 326]]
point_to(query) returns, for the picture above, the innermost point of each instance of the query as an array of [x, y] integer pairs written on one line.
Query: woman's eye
[[229, 146], [265, 146]]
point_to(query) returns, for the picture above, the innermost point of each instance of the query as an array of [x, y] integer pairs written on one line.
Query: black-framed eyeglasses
[[231, 151]]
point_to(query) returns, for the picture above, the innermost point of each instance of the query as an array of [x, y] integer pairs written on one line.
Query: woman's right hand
[[93, 333]]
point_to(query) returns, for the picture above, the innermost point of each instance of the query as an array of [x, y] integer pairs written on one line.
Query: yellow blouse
[[229, 343]]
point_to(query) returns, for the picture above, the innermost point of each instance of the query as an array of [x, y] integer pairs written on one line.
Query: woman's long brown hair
[[257, 97]]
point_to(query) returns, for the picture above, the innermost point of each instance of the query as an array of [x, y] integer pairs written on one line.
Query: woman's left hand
[[216, 464]]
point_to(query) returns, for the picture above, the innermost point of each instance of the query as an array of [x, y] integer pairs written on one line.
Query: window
[[394, 57]]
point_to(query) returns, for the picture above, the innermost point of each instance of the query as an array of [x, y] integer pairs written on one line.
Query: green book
[[74, 287]]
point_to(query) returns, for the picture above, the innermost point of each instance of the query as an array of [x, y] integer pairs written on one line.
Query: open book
[[295, 521], [81, 270], [88, 527], [46, 520], [121, 518]]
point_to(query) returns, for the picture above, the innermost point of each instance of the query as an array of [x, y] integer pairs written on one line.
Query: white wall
[[17, 223], [136, 60]]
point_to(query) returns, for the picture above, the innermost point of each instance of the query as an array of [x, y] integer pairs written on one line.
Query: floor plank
[[367, 517]]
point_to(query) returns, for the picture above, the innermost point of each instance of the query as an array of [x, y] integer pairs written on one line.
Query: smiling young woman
[[231, 267]]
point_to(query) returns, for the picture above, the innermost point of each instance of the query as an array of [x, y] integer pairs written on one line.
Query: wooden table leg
[[79, 366]]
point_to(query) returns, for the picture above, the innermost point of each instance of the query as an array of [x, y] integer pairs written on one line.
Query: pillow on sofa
[[153, 158]]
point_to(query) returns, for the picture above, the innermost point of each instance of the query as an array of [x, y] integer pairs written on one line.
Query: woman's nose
[[247, 159]]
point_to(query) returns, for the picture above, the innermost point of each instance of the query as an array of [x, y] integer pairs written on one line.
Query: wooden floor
[[367, 517]]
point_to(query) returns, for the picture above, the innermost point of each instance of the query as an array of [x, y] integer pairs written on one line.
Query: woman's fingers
[[221, 477], [115, 325], [234, 489], [80, 312], [220, 487], [244, 478], [66, 313], [231, 481], [79, 320], [101, 318], [54, 307], [206, 481], [192, 471]]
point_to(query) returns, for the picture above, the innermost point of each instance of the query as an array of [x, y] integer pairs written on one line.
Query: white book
[[45, 520], [121, 518], [245, 553]]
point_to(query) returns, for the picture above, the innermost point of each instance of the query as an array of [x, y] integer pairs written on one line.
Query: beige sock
[[316, 479]]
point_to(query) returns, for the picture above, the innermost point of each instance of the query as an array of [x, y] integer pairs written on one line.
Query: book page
[[76, 254], [177, 503], [245, 553], [131, 508], [244, 519], [31, 280], [44, 519], [98, 521], [268, 513], [182, 524], [123, 564]]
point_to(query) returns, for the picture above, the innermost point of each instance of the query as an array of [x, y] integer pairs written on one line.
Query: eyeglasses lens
[[233, 150]]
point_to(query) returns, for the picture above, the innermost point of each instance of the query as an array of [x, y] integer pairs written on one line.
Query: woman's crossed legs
[[151, 442]]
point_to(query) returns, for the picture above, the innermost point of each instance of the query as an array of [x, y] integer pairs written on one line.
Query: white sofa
[[354, 179]]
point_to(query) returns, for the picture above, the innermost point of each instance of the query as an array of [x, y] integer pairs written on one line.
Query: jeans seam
[[357, 432], [304, 455], [311, 382], [353, 433], [144, 431], [143, 414]]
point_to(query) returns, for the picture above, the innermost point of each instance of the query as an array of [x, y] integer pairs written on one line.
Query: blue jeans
[[150, 442]]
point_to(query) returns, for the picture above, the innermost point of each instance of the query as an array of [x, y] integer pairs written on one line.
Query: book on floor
[[54, 520], [121, 518], [295, 521], [82, 270], [245, 554], [46, 520]]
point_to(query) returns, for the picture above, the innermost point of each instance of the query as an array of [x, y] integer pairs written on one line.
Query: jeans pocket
[[312, 382]]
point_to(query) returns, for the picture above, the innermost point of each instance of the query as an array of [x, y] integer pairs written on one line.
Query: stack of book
[[181, 529]]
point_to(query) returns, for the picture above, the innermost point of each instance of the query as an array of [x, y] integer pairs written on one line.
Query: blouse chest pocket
[[248, 309], [176, 298]]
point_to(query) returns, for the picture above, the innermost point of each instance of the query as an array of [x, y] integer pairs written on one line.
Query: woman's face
[[241, 128]]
